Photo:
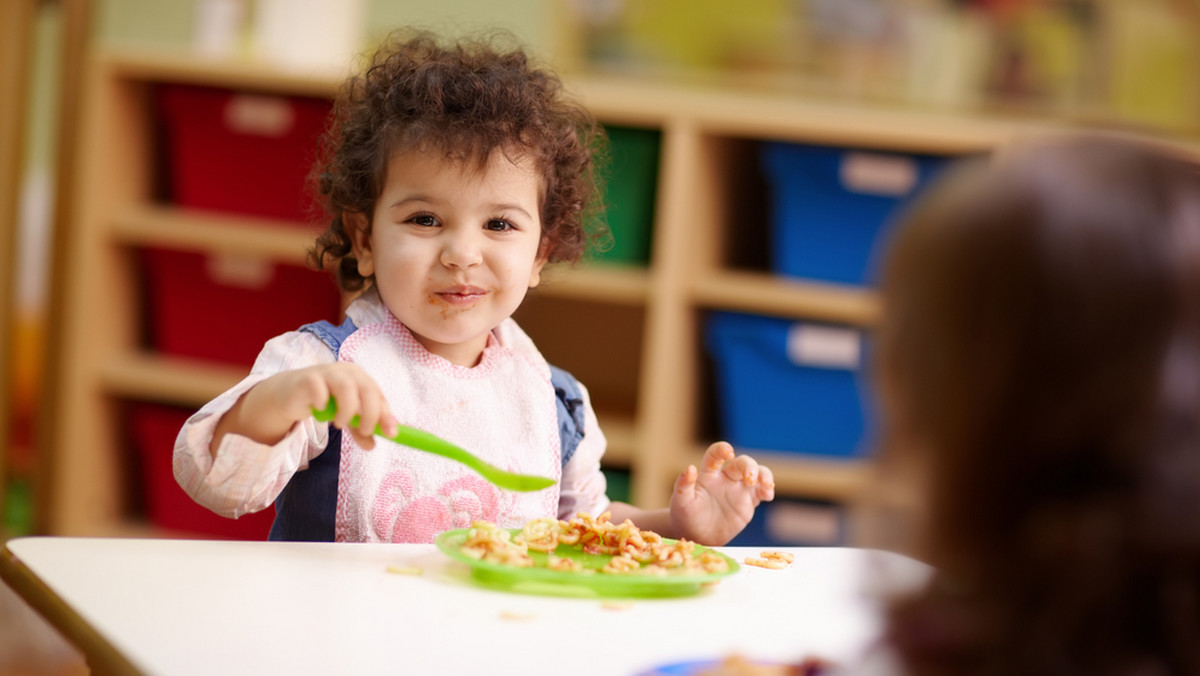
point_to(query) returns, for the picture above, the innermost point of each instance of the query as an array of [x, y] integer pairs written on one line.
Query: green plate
[[538, 579]]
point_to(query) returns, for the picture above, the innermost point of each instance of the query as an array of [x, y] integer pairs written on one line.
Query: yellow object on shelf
[[1154, 64]]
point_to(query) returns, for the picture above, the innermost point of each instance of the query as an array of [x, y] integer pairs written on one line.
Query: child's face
[[453, 247]]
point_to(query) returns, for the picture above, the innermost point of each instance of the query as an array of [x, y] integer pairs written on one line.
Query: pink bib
[[501, 410]]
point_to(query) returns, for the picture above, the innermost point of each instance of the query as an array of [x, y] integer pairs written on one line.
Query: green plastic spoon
[[424, 441]]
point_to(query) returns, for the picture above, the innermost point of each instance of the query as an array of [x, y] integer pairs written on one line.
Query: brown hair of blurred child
[[1039, 370]]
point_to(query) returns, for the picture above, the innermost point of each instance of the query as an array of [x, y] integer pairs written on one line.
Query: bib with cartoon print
[[501, 410]]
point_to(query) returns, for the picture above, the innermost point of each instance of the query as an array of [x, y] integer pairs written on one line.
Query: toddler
[[452, 175]]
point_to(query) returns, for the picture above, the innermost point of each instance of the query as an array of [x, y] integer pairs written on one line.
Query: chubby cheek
[[406, 258], [405, 275], [526, 271]]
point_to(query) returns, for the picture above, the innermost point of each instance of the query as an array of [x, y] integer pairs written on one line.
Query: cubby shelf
[[774, 295], [643, 363], [193, 230]]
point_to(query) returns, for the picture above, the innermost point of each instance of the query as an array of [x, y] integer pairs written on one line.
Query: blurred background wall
[[1085, 58], [1088, 59], [177, 22], [1118, 61]]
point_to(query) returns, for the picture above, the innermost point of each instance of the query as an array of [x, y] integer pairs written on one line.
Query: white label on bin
[[805, 524], [876, 174], [245, 272], [825, 346], [259, 115]]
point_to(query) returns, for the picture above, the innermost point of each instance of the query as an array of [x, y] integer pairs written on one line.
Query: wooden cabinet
[[633, 333]]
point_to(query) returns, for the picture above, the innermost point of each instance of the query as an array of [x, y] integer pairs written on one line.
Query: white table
[[178, 607]]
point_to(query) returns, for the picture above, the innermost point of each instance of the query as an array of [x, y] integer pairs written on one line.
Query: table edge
[[101, 656]]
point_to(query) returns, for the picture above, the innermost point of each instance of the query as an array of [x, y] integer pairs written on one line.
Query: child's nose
[[461, 250]]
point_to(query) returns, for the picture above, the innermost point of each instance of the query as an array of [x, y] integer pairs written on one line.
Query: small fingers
[[362, 408], [365, 441], [369, 414], [348, 405], [298, 394], [686, 483], [766, 484], [743, 468], [716, 456], [389, 424]]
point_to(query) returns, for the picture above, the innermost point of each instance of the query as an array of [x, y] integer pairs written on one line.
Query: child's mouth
[[463, 295]]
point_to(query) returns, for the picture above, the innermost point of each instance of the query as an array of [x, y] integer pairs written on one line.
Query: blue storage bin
[[830, 205], [788, 386]]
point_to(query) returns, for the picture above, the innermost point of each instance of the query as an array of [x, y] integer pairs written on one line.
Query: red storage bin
[[152, 430], [241, 152], [223, 308]]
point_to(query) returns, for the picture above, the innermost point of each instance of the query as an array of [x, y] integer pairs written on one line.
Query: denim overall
[[307, 507]]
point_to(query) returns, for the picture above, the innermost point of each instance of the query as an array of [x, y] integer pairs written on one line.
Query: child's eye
[[498, 225], [425, 220]]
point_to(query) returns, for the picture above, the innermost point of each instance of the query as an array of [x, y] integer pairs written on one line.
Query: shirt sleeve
[[246, 476], [583, 485]]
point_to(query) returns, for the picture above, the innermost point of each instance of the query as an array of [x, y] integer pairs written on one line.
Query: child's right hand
[[269, 409], [296, 393]]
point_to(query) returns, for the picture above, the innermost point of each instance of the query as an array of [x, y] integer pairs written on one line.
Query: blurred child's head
[[465, 101], [1039, 366]]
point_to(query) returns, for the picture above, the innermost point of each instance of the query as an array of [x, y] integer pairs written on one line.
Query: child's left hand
[[713, 504]]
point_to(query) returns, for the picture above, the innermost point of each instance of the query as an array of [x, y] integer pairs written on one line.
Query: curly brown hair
[[467, 99]]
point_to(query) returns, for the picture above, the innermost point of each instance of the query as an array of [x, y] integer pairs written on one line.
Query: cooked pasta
[[489, 542], [773, 560], [632, 551]]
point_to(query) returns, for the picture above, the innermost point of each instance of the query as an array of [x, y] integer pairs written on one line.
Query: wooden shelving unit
[[644, 367]]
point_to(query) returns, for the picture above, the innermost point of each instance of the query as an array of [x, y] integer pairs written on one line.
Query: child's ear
[[543, 256], [535, 275], [359, 231]]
